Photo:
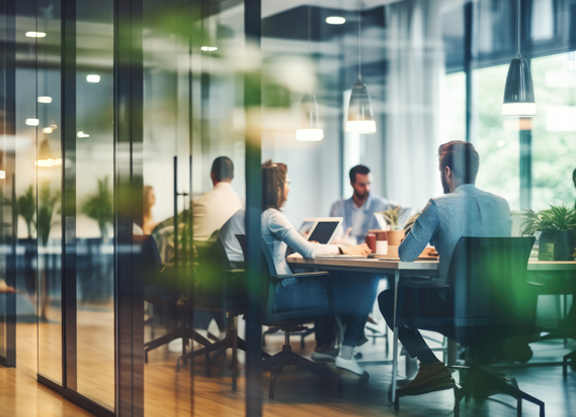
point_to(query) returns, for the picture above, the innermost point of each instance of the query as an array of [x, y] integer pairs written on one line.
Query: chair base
[[452, 385], [286, 358], [479, 383], [182, 332], [303, 333], [230, 341], [569, 359]]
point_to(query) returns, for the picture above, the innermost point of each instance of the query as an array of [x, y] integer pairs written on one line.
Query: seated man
[[209, 211], [463, 211], [358, 211]]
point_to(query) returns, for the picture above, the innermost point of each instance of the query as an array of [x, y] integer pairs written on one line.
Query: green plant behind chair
[[47, 201], [99, 206], [26, 207]]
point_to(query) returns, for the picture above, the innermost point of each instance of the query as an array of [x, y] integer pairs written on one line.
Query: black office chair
[[290, 320], [490, 300], [219, 289], [161, 289]]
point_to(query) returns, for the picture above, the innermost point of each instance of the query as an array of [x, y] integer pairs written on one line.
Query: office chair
[[161, 289], [290, 320], [490, 300], [220, 289]]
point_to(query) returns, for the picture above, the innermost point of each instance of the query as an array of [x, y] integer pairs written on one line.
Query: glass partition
[[94, 201], [49, 177]]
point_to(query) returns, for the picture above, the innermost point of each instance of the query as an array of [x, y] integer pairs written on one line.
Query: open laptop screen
[[324, 231]]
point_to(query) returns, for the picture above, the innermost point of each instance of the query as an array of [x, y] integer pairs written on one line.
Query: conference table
[[394, 266]]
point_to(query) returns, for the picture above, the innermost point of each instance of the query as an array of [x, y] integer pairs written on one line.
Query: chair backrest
[[487, 277], [269, 284]]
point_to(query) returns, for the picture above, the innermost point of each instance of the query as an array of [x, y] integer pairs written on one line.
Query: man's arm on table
[[421, 234]]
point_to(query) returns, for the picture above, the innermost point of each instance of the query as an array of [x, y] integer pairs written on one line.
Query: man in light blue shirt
[[358, 211], [464, 210]]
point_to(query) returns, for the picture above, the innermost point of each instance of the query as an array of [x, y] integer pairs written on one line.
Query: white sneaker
[[326, 356], [175, 346], [352, 366]]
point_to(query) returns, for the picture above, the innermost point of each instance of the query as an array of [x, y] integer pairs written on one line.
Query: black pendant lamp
[[360, 116], [519, 98], [310, 129]]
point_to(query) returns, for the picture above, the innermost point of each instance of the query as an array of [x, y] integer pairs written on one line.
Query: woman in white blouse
[[353, 298]]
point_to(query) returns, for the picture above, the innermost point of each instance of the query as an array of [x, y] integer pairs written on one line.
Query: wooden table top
[[391, 264]]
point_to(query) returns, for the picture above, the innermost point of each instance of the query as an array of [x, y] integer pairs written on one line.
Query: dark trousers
[[417, 303]]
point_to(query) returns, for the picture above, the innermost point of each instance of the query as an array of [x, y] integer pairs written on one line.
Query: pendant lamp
[[310, 129], [519, 90], [360, 116], [310, 120], [45, 157]]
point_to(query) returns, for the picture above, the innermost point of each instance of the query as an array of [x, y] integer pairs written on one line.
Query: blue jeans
[[354, 296]]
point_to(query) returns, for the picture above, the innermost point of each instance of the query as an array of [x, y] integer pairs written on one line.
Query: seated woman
[[353, 298]]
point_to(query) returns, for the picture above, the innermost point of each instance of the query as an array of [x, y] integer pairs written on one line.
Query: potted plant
[[392, 218], [557, 225], [99, 206]]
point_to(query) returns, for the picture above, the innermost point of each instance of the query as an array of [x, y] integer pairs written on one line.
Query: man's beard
[[361, 196], [445, 186]]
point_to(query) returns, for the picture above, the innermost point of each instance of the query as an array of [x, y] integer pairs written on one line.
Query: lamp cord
[[359, 41], [518, 4]]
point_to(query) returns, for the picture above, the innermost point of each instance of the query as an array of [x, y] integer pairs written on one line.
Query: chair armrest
[[305, 275]]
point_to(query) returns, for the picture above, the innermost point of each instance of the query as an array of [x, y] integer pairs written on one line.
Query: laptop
[[320, 229]]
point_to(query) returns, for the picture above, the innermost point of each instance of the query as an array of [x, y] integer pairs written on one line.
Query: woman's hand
[[362, 250]]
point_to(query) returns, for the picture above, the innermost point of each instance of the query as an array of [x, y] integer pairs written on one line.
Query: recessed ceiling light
[[93, 78], [335, 20], [47, 130], [209, 48], [83, 135], [35, 34], [45, 99], [32, 122], [500, 143]]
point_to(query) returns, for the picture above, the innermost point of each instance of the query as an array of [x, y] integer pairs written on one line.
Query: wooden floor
[[22, 396], [298, 393], [301, 394]]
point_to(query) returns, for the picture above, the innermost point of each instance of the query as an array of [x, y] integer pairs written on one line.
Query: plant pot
[[395, 237], [556, 246]]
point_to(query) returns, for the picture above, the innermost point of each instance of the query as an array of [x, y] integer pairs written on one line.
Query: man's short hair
[[223, 168], [462, 159], [358, 169]]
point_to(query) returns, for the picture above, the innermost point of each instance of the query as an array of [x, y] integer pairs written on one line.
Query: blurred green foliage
[[47, 201], [26, 204], [99, 206]]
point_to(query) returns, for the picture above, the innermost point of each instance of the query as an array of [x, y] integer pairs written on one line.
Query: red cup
[[371, 241]]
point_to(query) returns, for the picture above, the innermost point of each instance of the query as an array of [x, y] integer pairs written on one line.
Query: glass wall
[[428, 66], [553, 130], [49, 191], [94, 201], [496, 138], [26, 136]]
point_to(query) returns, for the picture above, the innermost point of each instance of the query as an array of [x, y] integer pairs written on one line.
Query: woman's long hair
[[273, 182]]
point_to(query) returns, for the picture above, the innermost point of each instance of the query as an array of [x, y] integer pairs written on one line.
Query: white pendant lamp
[[360, 116], [519, 98], [310, 130]]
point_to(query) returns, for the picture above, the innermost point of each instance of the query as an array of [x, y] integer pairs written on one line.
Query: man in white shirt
[[213, 208]]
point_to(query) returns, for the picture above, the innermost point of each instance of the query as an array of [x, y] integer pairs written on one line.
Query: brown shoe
[[429, 378]]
